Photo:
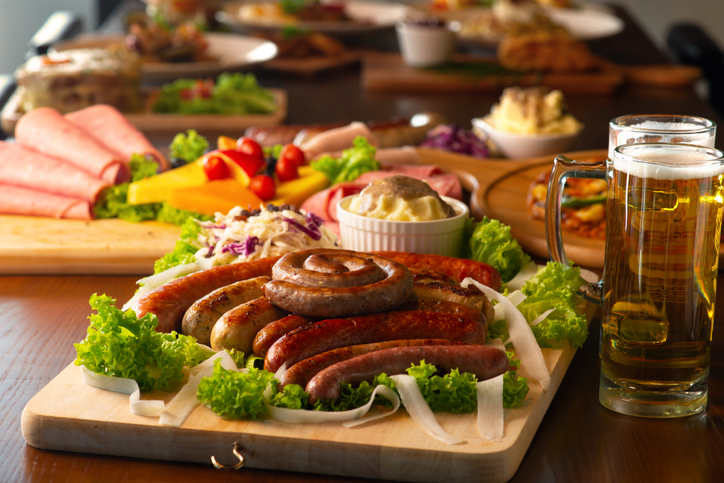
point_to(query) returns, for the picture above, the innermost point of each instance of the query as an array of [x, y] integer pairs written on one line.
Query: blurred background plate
[[367, 17], [234, 53], [584, 23]]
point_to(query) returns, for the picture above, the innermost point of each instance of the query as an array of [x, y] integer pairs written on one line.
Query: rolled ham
[[110, 127], [47, 131], [336, 140], [23, 167], [15, 200]]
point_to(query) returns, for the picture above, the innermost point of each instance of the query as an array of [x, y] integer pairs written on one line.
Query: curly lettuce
[[492, 243], [188, 147], [354, 161], [185, 249], [120, 344], [556, 287], [235, 395]]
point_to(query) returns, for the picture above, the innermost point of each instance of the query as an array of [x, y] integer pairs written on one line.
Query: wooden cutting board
[[386, 72], [68, 415], [34, 245]]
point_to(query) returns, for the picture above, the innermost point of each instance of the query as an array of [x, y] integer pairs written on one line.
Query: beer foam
[[667, 126], [668, 163]]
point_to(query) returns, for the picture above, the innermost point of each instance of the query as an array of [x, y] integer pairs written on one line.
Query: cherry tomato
[[263, 186], [293, 154], [250, 147], [250, 164], [215, 168], [286, 170]]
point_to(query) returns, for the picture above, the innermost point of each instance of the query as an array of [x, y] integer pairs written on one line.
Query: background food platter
[[497, 187], [151, 123], [367, 17], [234, 53], [584, 23]]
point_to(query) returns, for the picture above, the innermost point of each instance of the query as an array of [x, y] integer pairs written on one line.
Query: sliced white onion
[[309, 416], [521, 335], [147, 408], [541, 317], [419, 411], [496, 344], [491, 416], [589, 276], [154, 281], [185, 401], [516, 297], [525, 274]]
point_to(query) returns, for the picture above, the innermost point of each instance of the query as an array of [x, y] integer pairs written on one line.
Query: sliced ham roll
[[23, 167], [47, 131], [336, 140], [109, 126], [15, 200]]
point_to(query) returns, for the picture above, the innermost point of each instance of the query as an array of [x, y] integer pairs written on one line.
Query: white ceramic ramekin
[[520, 146], [425, 45], [439, 237]]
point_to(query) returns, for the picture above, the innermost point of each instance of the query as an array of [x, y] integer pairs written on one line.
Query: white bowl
[[439, 237], [513, 145], [425, 45]]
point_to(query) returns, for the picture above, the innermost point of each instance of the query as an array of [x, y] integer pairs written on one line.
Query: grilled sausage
[[333, 333], [337, 283], [274, 331], [237, 328], [170, 301], [456, 268], [483, 361], [303, 371], [470, 297], [423, 275], [203, 314]]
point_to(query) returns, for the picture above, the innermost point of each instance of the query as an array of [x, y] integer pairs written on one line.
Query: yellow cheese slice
[[156, 188], [214, 196], [296, 191]]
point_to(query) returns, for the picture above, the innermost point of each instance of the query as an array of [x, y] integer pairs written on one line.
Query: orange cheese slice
[[214, 196]]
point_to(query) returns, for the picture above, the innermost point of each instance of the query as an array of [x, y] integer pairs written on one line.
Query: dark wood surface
[[42, 316]]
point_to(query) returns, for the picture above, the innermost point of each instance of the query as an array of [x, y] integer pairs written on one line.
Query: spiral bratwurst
[[324, 283]]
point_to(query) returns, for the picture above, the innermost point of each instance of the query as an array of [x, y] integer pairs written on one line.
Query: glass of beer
[[663, 226], [660, 128]]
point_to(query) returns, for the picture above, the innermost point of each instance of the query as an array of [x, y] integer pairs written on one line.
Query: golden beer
[[664, 217]]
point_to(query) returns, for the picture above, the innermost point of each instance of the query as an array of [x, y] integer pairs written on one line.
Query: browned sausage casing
[[457, 268], [337, 283], [274, 331], [333, 333], [483, 361], [470, 297], [200, 318], [303, 371], [171, 300], [237, 328]]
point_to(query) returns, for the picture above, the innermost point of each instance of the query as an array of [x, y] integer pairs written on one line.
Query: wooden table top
[[42, 316]]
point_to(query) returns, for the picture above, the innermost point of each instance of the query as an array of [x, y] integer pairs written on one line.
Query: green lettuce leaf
[[184, 250], [235, 395], [515, 388], [354, 161], [189, 146], [556, 287], [492, 243], [120, 344]]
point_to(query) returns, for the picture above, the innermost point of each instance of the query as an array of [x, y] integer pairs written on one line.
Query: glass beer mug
[[663, 227]]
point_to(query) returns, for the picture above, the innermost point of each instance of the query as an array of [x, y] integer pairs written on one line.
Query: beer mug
[[663, 226], [660, 128]]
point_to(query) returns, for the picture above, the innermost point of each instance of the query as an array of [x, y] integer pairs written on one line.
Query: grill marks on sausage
[[303, 371], [237, 328], [483, 361], [200, 318], [333, 333]]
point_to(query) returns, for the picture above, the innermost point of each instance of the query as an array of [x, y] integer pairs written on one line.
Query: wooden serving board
[[34, 245], [386, 72], [312, 65], [151, 123], [68, 415]]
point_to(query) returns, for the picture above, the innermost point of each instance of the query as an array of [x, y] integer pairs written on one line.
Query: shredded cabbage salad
[[237, 237]]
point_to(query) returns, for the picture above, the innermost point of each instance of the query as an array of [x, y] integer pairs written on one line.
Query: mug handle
[[564, 168]]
